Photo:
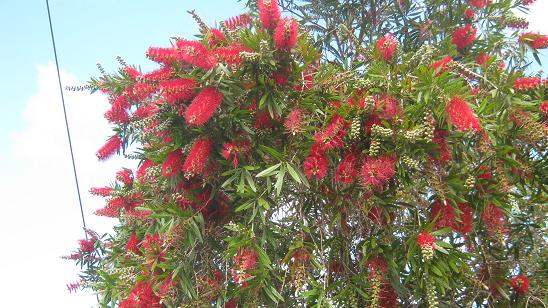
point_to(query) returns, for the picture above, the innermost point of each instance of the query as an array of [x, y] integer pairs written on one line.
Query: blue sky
[[41, 220]]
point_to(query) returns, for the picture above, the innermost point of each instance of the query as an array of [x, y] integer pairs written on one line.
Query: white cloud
[[537, 17], [41, 217]]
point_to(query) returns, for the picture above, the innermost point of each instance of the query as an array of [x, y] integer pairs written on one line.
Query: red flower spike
[[269, 13], [162, 55], [426, 240], [87, 246], [140, 91], [237, 22], [494, 220], [112, 146], [217, 37], [377, 171], [331, 137], [479, 3], [543, 108], [141, 296], [520, 283], [527, 83], [230, 55], [377, 267], [443, 64], [316, 165], [444, 215], [528, 2], [162, 74], [483, 59], [197, 158], [469, 15], [102, 192], [141, 172], [245, 261], [443, 151], [294, 121], [125, 176], [195, 53], [464, 37], [466, 219], [347, 170], [203, 106], [461, 115], [285, 35], [387, 46], [132, 73], [132, 244], [535, 40], [387, 106], [173, 163]]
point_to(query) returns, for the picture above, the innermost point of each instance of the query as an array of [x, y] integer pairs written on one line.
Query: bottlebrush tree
[[313, 162]]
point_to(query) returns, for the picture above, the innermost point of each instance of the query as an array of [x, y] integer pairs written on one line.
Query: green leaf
[[264, 204], [280, 180], [268, 171], [293, 173]]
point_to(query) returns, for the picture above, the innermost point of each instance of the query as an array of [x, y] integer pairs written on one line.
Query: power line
[[66, 120]]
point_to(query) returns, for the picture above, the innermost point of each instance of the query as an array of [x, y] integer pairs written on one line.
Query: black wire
[[66, 121]]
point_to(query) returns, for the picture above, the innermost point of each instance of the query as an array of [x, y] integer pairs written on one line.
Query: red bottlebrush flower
[[331, 137], [183, 88], [386, 45], [162, 74], [244, 262], [479, 3], [315, 165], [543, 108], [203, 106], [373, 119], [103, 191], [162, 55], [117, 112], [269, 13], [217, 37], [444, 215], [466, 219], [440, 139], [87, 246], [528, 2], [520, 283], [197, 158], [195, 53], [443, 64], [305, 83], [483, 59], [494, 220], [140, 91], [152, 247], [388, 297], [464, 36], [107, 212], [237, 22], [232, 150], [518, 23], [377, 215], [535, 40], [377, 171], [377, 267], [285, 35], [280, 78], [262, 120], [125, 176], [142, 171], [230, 55], [527, 83], [461, 115], [112, 146], [294, 121], [132, 73], [173, 163], [387, 106], [347, 170], [469, 15], [166, 288], [426, 240], [142, 296], [144, 111], [132, 244]]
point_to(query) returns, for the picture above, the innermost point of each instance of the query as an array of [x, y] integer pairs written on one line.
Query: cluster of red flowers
[[87, 246], [426, 240], [535, 40], [494, 220], [173, 163], [347, 170], [377, 273], [245, 261], [527, 83], [198, 157], [231, 55], [377, 171], [479, 3], [520, 283], [294, 121], [543, 108], [235, 149], [315, 165], [237, 22], [141, 296], [444, 151], [443, 64], [125, 176], [445, 216], [112, 146], [332, 136], [464, 36], [285, 35], [461, 115], [269, 13], [203, 106], [386, 45]]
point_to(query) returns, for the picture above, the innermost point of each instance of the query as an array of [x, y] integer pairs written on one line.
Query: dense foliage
[[375, 153]]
